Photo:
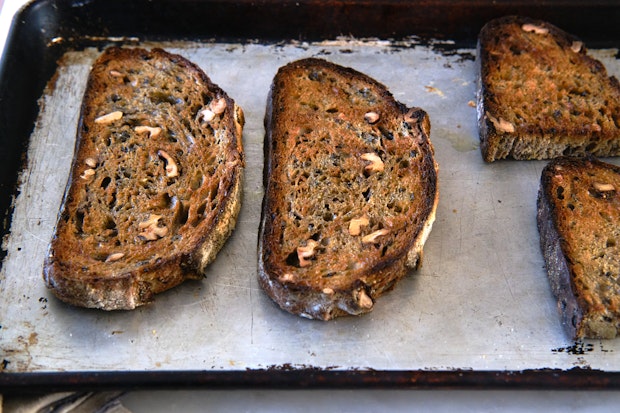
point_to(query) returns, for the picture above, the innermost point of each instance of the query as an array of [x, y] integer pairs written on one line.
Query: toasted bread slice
[[350, 190], [579, 224], [541, 95], [156, 181]]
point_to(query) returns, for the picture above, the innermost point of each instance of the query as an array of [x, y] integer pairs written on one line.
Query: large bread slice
[[579, 224], [155, 185], [350, 190], [541, 95]]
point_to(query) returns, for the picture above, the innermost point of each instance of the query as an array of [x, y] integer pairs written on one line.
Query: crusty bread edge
[[496, 145], [228, 219], [322, 305], [578, 319], [414, 256], [128, 290], [557, 267]]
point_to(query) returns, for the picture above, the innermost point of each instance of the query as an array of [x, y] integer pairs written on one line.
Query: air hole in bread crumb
[[105, 182], [315, 75], [79, 221], [109, 223], [310, 105], [366, 194], [181, 215], [292, 259], [201, 209]]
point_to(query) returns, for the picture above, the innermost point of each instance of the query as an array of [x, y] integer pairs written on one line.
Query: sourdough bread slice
[[350, 190], [579, 224], [541, 95], [156, 181]]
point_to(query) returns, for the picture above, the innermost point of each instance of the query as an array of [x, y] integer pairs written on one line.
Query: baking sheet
[[481, 300]]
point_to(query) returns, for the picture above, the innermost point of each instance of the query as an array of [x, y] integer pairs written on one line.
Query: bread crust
[[577, 219], [315, 137], [146, 209], [540, 95]]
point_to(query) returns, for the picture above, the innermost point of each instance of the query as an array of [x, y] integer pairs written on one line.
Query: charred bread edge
[[315, 304], [571, 306], [487, 130], [131, 289], [556, 265]]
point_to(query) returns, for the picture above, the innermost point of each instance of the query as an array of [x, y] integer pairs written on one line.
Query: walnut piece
[[286, 277], [409, 118], [371, 117], [109, 118], [88, 173], [172, 169], [372, 237], [306, 251], [376, 164], [207, 115], [218, 106], [152, 131], [150, 228], [356, 224], [90, 162], [363, 300], [601, 187], [501, 125], [529, 27], [115, 257]]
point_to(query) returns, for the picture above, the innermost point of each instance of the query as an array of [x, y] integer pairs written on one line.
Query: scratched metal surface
[[481, 300]]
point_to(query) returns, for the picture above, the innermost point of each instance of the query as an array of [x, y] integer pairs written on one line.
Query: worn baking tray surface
[[480, 303]]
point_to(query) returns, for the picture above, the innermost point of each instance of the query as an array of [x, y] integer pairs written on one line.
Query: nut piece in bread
[[350, 190], [540, 95], [579, 224], [154, 191]]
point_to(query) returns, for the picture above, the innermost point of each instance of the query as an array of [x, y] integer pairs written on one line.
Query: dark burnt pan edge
[[287, 378], [276, 20]]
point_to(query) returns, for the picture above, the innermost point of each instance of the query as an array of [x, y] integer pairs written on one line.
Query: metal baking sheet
[[480, 303]]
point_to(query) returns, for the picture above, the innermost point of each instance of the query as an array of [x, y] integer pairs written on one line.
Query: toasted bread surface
[[541, 95], [579, 224], [156, 181], [350, 190]]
